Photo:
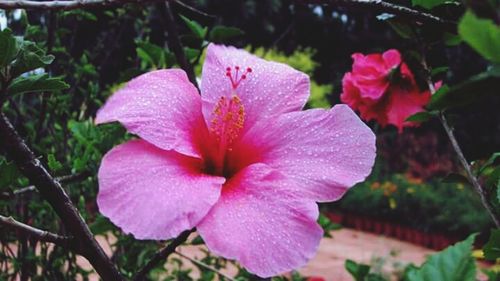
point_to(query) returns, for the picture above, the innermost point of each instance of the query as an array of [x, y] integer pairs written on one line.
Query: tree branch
[[162, 255], [38, 234], [381, 6], [52, 191], [175, 44], [67, 4]]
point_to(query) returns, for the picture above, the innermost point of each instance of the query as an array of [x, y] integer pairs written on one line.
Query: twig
[[17, 151], [193, 9], [204, 265], [63, 179], [38, 234], [162, 255], [175, 44], [468, 170], [470, 175], [381, 6], [67, 4]]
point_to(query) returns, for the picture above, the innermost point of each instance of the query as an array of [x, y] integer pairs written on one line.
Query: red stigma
[[235, 77]]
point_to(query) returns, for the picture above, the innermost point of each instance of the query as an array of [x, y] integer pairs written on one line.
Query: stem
[[381, 6], [465, 164], [50, 189], [470, 175], [38, 234], [162, 255], [204, 265], [175, 44], [63, 179]]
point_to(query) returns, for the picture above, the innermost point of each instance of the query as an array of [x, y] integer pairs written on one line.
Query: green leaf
[[195, 27], [451, 39], [455, 263], [191, 54], [481, 34], [489, 162], [402, 29], [36, 83], [492, 248], [221, 34], [327, 225], [421, 116], [152, 54], [357, 270], [438, 70], [30, 57], [9, 47], [101, 225], [8, 173], [468, 91], [54, 165], [429, 4]]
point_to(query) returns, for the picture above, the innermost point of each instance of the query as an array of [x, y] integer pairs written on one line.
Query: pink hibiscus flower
[[241, 162], [382, 88]]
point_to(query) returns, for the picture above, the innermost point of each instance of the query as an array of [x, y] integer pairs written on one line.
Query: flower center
[[228, 118]]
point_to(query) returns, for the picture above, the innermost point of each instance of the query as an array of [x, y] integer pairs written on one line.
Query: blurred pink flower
[[241, 162], [382, 88]]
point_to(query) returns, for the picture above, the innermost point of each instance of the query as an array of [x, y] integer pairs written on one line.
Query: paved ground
[[387, 254], [350, 244]]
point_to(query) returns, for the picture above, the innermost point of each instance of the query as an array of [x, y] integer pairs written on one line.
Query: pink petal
[[162, 107], [258, 222], [392, 58], [403, 103], [153, 193], [270, 89], [327, 151]]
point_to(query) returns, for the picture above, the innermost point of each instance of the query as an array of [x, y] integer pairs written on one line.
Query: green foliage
[[432, 206], [429, 4], [30, 57], [421, 116], [481, 34], [361, 272], [54, 165], [301, 59], [9, 46], [358, 271], [327, 225], [455, 263], [195, 27], [36, 83], [471, 90], [492, 248], [153, 56], [221, 33]]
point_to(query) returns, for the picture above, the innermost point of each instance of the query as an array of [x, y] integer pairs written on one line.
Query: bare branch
[[465, 164], [175, 44], [38, 234], [162, 255], [67, 4], [385, 7], [204, 265], [63, 179], [470, 175], [52, 191], [193, 9]]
